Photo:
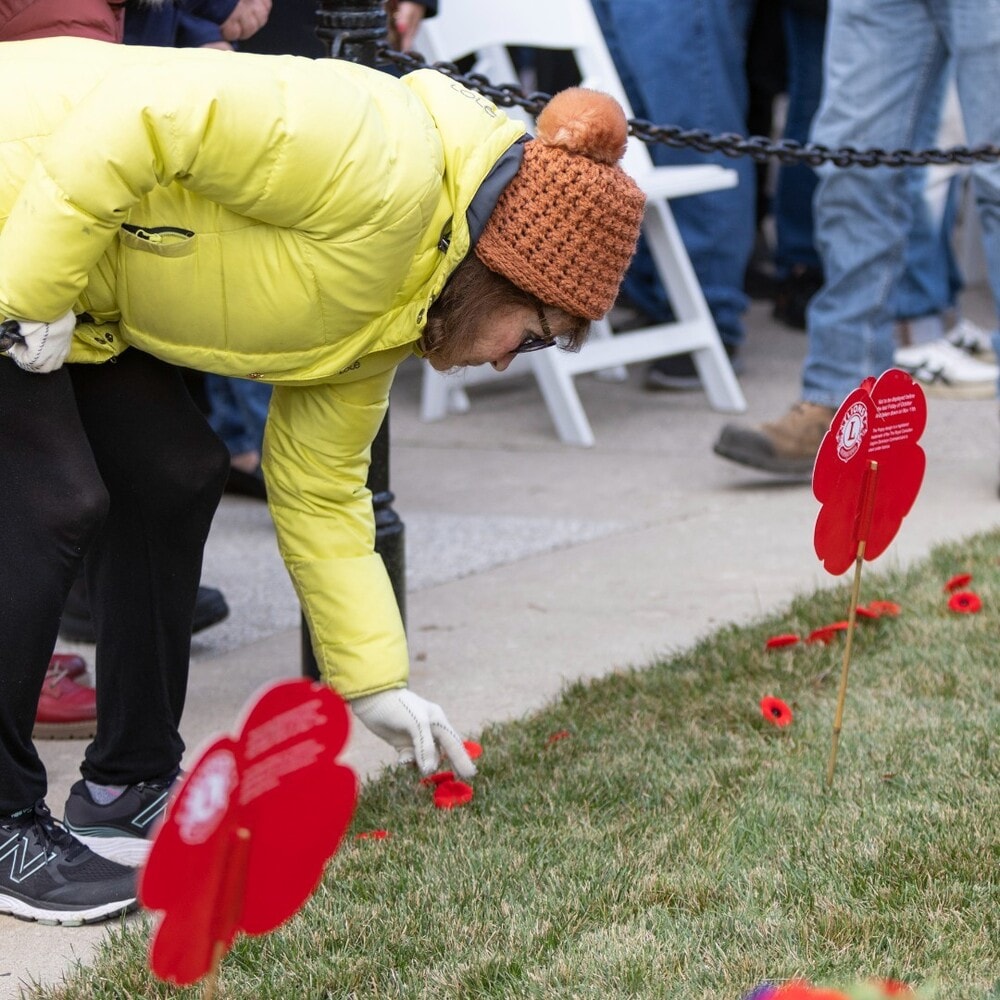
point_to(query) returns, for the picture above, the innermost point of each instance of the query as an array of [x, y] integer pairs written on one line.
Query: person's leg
[[238, 415], [224, 412], [798, 273], [973, 30], [253, 399], [682, 63], [927, 285], [884, 59], [793, 218], [884, 62], [239, 412], [164, 469], [52, 501]]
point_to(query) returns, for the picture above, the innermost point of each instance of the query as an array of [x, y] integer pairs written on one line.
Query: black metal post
[[353, 30]]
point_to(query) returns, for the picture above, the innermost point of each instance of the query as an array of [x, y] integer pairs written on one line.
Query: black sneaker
[[678, 373], [122, 830], [49, 876], [76, 625]]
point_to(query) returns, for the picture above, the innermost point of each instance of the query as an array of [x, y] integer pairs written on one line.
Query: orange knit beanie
[[566, 226]]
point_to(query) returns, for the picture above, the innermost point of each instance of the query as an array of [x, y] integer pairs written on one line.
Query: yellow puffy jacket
[[275, 218]]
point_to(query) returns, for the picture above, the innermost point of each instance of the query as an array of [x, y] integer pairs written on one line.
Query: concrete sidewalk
[[531, 564]]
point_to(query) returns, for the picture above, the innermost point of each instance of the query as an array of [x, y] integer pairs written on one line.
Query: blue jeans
[[793, 217], [885, 62], [931, 279], [682, 63], [238, 411]]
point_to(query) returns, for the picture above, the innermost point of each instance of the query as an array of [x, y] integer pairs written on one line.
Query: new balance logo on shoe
[[48, 876], [145, 818], [120, 830], [17, 850]]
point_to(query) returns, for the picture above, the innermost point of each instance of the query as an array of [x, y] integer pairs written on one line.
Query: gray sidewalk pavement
[[532, 564]]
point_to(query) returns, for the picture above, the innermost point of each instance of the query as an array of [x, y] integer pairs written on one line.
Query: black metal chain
[[758, 148]]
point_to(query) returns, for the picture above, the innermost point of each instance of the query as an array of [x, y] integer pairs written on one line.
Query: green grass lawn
[[676, 844]]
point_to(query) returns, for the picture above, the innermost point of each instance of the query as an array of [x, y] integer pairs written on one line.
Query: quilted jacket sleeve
[[264, 142], [316, 461]]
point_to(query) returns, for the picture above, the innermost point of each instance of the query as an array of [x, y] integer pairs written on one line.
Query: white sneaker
[[973, 339], [946, 370]]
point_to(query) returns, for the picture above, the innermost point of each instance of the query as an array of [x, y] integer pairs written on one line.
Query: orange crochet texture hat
[[566, 226]]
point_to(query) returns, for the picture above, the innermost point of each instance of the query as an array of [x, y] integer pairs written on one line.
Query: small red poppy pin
[[826, 633], [780, 641], [884, 608], [451, 793], [433, 780], [965, 602], [957, 582], [775, 711]]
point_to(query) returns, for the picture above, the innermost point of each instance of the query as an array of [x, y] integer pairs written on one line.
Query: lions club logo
[[852, 431], [206, 797]]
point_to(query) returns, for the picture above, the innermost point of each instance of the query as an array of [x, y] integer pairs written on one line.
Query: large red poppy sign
[[245, 840], [869, 469]]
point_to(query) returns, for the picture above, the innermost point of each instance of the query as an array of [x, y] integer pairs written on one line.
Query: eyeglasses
[[533, 343]]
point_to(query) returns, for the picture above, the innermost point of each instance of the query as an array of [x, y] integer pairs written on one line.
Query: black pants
[[115, 465]]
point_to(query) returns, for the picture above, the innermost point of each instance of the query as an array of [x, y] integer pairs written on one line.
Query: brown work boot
[[786, 447]]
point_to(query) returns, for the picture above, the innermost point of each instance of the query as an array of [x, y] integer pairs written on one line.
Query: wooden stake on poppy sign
[[867, 506], [231, 898]]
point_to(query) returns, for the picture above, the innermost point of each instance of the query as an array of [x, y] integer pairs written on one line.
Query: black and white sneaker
[[947, 370], [49, 876], [122, 830]]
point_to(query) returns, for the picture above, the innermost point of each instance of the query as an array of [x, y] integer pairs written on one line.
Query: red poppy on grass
[[372, 835], [556, 737], [965, 602], [775, 711], [864, 612], [880, 608], [449, 794], [473, 749], [826, 633], [777, 641], [959, 582], [437, 778]]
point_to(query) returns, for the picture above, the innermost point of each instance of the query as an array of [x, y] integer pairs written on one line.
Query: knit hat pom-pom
[[586, 122]]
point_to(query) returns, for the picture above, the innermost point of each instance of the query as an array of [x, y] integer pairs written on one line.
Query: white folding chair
[[485, 28]]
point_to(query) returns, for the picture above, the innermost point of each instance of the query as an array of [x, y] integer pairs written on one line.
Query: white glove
[[416, 728], [42, 347]]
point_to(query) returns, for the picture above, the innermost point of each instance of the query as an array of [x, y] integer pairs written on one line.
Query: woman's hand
[[417, 729], [39, 347]]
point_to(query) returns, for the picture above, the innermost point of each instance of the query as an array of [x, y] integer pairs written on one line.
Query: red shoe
[[66, 709], [71, 664]]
